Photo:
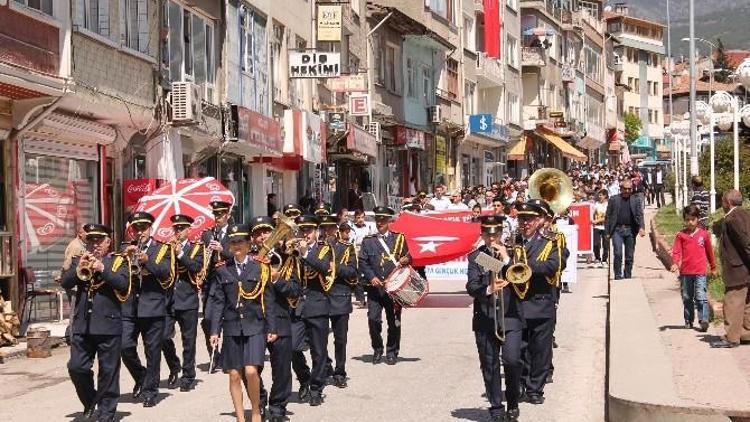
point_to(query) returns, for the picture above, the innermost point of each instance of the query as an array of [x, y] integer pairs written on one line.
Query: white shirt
[[440, 204], [182, 252], [239, 265], [659, 176], [359, 233], [458, 206]]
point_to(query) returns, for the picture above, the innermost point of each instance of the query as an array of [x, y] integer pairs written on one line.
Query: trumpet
[[135, 266], [85, 270]]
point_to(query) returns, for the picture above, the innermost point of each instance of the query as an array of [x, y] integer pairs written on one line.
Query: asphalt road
[[436, 379]]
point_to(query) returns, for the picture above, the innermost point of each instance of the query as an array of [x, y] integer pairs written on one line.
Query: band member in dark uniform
[[285, 283], [340, 298], [546, 257], [145, 310], [300, 338], [102, 283], [316, 259], [482, 286], [376, 264], [214, 243], [183, 305], [243, 307]]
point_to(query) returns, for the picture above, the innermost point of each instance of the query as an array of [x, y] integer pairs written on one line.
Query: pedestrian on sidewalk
[[691, 252], [735, 268], [624, 220], [701, 198], [601, 245]]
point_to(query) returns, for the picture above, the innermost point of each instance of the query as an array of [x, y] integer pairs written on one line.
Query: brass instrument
[[285, 229], [498, 314], [84, 269], [553, 186], [135, 266], [519, 271]]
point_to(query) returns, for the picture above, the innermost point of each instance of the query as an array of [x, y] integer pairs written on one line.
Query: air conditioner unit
[[374, 129], [186, 102], [230, 123], [435, 114]]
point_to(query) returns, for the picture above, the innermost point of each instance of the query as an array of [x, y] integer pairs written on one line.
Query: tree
[[721, 61], [633, 127], [724, 166]]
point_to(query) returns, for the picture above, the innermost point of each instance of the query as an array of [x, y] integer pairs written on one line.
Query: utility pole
[[693, 122]]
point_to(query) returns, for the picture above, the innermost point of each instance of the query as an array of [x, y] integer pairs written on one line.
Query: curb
[[19, 351]]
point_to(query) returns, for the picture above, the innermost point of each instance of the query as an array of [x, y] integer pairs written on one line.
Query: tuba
[[553, 186], [285, 229]]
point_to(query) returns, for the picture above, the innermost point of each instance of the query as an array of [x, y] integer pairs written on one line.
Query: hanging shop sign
[[441, 155], [348, 83], [359, 105], [360, 140], [313, 64], [337, 121], [411, 138], [329, 22]]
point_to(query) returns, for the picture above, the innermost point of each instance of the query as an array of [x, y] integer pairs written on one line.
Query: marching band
[[282, 285]]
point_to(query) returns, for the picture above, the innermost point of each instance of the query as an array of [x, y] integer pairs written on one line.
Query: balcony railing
[[7, 266], [489, 71], [533, 57]]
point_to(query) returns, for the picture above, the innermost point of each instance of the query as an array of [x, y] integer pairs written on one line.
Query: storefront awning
[[518, 151], [567, 150]]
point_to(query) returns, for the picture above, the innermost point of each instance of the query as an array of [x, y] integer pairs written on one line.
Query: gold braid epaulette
[[168, 283], [258, 290], [285, 273], [116, 266]]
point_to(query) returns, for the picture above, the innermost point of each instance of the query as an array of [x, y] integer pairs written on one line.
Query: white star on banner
[[431, 243]]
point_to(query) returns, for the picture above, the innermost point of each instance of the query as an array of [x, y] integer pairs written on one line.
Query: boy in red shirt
[[690, 253]]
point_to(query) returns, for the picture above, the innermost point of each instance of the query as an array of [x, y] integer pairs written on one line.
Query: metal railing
[[533, 56]]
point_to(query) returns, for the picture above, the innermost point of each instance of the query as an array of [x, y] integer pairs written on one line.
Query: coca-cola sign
[[135, 189]]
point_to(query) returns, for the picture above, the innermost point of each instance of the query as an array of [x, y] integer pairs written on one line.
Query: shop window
[[59, 194]]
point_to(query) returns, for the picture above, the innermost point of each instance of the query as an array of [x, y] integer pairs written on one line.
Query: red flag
[[492, 28], [433, 240]]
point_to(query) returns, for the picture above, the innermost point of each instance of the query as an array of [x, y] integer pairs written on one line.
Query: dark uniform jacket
[[347, 275], [225, 255], [287, 291], [148, 298], [547, 261], [242, 317], [98, 313], [315, 268], [613, 211], [484, 309], [735, 248], [374, 260], [185, 293]]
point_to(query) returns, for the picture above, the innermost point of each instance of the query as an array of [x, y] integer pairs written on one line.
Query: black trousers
[[299, 345], [83, 349], [317, 329], [659, 193], [375, 306], [359, 293], [601, 246], [281, 376], [491, 354], [340, 328], [188, 322], [538, 338], [152, 332]]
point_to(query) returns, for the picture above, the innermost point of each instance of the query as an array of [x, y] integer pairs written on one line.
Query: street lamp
[[724, 102]]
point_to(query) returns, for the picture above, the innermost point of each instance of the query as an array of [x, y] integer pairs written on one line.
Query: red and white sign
[[362, 141], [436, 241], [581, 215], [359, 105], [135, 189], [259, 131], [411, 138], [348, 83]]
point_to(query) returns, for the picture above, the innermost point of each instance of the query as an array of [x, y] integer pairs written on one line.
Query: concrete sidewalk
[[660, 370]]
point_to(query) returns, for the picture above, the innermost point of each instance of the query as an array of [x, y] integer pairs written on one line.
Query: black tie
[[242, 268]]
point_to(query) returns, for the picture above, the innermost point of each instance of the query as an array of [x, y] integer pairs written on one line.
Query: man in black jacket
[[96, 326], [623, 222]]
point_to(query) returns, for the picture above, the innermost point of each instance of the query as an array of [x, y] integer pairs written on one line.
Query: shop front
[[408, 163], [350, 161]]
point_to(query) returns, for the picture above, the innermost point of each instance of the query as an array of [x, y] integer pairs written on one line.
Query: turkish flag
[[434, 240]]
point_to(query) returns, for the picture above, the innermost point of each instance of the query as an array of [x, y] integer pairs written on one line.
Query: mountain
[[725, 19]]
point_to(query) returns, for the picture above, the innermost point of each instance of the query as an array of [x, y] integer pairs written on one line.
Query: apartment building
[[640, 51]]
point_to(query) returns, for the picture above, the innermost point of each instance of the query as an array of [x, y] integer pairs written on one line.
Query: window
[[428, 90], [592, 8], [379, 62], [44, 6], [134, 27], [391, 68], [512, 51], [190, 45], [513, 4], [656, 116], [469, 34], [637, 85], [254, 59], [451, 77], [411, 78], [354, 5], [443, 8], [651, 116], [593, 63], [92, 15], [631, 110], [469, 88], [514, 109]]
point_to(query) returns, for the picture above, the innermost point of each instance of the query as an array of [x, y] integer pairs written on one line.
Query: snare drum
[[406, 287]]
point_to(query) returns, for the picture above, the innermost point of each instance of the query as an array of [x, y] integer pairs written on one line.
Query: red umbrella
[[436, 240], [184, 196], [48, 212]]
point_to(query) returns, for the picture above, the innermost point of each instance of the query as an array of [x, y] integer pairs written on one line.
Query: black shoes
[[377, 357], [390, 360], [276, 418], [304, 393], [704, 326], [316, 400], [172, 380], [137, 389], [339, 381], [186, 385], [535, 399], [512, 414], [149, 401], [497, 418], [88, 412], [724, 344], [688, 325]]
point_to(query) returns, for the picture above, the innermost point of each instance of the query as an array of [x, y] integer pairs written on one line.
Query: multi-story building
[[641, 50]]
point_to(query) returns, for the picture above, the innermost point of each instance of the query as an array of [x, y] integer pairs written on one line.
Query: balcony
[[548, 7], [533, 57], [571, 20], [489, 71]]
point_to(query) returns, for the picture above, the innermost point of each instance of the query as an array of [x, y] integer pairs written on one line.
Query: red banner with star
[[436, 240]]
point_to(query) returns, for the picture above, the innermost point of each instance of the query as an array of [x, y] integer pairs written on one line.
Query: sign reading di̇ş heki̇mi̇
[[312, 64]]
